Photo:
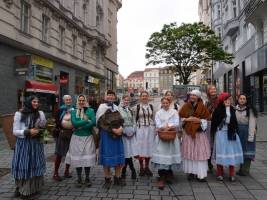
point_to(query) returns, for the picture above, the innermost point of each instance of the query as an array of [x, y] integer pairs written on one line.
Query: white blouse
[[19, 127]]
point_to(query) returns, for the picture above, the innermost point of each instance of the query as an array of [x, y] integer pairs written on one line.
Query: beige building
[[66, 46], [135, 81], [166, 79], [151, 80]]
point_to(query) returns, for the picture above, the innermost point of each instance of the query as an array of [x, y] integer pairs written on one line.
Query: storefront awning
[[34, 86]]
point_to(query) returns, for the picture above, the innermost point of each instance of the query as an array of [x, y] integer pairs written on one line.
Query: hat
[[223, 96], [196, 92]]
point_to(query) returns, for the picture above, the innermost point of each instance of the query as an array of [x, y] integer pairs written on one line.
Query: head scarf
[[29, 114], [80, 110], [196, 92], [223, 96]]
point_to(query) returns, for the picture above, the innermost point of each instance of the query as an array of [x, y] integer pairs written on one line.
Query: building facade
[[135, 82], [56, 47], [242, 26], [151, 80], [166, 79]]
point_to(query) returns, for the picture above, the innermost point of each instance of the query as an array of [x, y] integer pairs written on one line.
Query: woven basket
[[167, 136], [7, 124]]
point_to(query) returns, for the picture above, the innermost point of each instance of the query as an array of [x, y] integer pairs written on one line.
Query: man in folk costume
[[195, 146]]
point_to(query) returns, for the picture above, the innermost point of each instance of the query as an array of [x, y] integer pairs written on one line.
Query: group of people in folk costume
[[208, 131]]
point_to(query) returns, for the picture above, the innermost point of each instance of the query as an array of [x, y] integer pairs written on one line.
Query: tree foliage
[[186, 48]]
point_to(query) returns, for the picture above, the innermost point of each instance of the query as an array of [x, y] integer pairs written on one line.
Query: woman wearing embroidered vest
[[65, 128], [246, 119], [28, 165], [211, 104], [82, 150], [145, 133], [195, 145], [227, 147], [129, 139], [111, 150], [166, 155]]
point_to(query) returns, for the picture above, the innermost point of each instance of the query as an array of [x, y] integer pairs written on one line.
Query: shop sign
[[91, 79], [22, 65], [43, 69]]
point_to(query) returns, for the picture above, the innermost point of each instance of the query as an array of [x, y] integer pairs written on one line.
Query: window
[[25, 17], [45, 24], [110, 79], [61, 37], [219, 32], [234, 8], [74, 44], [218, 11], [84, 51], [84, 14]]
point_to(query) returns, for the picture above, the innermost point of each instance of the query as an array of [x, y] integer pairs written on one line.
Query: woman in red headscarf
[[227, 146]]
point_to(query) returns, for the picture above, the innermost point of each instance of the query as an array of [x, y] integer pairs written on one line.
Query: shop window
[[230, 82], [25, 17], [237, 82]]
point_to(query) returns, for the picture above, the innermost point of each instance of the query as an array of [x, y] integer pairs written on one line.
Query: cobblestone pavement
[[251, 187]]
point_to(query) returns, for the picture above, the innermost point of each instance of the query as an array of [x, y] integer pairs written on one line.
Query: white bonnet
[[196, 92]]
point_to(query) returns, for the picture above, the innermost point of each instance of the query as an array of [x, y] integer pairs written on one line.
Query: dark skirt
[[248, 147], [28, 159], [111, 150], [62, 146]]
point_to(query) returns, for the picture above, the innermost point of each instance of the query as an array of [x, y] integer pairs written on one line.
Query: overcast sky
[[138, 19]]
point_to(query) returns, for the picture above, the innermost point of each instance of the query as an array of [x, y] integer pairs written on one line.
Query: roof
[[151, 68], [136, 74]]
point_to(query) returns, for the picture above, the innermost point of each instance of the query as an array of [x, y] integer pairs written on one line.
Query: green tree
[[186, 49]]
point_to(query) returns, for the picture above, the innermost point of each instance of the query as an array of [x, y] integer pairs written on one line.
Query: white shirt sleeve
[[42, 119], [204, 124], [228, 115], [18, 126], [174, 120], [158, 121]]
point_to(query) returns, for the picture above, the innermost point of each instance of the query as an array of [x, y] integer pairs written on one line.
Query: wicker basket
[[167, 136], [7, 124]]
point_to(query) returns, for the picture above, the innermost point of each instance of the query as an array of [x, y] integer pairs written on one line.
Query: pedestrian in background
[[195, 146], [111, 149], [129, 138], [145, 132], [246, 118], [166, 154], [227, 147], [63, 133], [211, 103], [28, 164], [82, 150]]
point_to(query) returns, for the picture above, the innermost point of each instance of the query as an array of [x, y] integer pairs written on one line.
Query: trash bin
[[7, 124]]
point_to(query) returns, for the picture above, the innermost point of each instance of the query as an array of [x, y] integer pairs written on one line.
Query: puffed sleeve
[[18, 128], [42, 121], [174, 120], [204, 124], [158, 121]]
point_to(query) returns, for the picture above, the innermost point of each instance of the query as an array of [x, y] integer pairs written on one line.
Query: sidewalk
[[251, 187]]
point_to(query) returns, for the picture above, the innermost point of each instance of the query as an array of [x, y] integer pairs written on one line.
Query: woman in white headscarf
[[82, 150], [195, 145]]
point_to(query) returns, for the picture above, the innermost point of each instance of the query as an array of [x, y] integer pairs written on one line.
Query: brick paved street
[[252, 187]]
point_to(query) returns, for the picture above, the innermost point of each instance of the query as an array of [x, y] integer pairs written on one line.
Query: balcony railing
[[231, 26]]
